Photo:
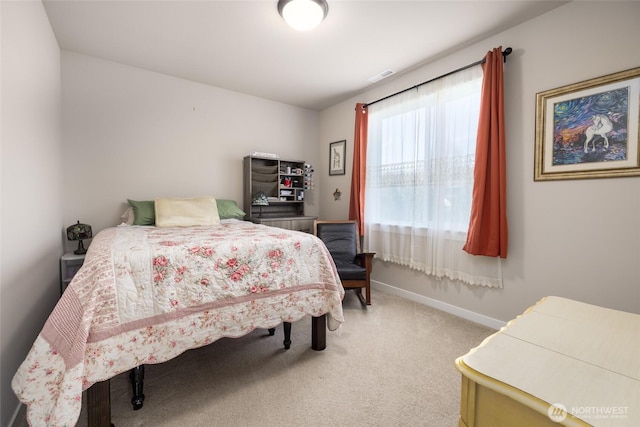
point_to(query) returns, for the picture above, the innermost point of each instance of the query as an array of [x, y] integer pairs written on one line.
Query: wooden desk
[[298, 223], [559, 355]]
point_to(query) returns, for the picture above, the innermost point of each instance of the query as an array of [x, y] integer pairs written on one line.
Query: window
[[420, 162]]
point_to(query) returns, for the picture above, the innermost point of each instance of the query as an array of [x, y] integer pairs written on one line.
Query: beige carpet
[[390, 365]]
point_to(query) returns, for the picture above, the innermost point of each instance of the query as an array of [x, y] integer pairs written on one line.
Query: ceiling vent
[[380, 76]]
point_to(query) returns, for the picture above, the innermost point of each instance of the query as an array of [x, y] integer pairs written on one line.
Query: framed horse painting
[[589, 129]]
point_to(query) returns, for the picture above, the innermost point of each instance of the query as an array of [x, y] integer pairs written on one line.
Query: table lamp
[[79, 232], [260, 199]]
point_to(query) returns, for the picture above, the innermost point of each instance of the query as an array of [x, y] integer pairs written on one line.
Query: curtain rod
[[505, 53]]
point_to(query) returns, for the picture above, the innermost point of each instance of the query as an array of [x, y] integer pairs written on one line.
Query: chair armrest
[[365, 259]]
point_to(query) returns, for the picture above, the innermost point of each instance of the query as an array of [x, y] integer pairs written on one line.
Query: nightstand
[[70, 263]]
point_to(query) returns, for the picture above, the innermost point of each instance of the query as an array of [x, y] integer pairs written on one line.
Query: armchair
[[343, 242]]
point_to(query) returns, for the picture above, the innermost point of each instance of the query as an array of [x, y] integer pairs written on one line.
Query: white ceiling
[[245, 46]]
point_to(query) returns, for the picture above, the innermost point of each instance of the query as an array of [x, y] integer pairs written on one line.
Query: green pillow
[[228, 209], [144, 212]]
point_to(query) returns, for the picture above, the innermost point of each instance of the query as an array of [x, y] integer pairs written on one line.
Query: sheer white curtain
[[420, 160]]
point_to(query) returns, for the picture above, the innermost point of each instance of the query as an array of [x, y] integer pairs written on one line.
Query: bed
[[146, 294], [562, 362]]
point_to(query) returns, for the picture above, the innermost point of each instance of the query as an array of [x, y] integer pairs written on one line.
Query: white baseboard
[[443, 306]]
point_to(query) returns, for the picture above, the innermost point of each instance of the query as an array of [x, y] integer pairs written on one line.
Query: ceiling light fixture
[[303, 15]]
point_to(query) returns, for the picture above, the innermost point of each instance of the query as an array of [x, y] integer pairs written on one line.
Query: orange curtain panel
[[356, 202], [487, 233]]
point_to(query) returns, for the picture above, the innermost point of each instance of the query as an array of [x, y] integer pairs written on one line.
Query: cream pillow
[[174, 212]]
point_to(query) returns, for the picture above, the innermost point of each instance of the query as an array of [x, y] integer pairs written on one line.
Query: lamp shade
[[260, 199], [303, 15], [79, 232]]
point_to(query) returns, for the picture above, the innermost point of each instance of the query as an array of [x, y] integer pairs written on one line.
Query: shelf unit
[[284, 182]]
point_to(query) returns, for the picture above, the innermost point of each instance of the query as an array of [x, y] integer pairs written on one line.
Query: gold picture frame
[[589, 129]]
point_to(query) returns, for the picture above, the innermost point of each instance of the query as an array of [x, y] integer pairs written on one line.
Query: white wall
[[578, 239], [130, 133], [31, 196], [141, 135]]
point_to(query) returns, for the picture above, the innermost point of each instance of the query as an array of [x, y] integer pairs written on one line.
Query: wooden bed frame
[[91, 323], [99, 394]]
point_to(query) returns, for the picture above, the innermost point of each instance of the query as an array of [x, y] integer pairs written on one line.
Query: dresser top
[[560, 351]]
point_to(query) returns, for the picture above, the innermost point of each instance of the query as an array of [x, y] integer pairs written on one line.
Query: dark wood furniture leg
[[287, 335], [137, 381], [99, 404], [319, 332], [361, 297]]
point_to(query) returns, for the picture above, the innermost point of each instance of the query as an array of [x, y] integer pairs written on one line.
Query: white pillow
[[174, 212], [128, 216]]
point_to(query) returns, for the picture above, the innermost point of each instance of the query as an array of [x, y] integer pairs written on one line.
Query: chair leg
[[367, 290], [361, 297]]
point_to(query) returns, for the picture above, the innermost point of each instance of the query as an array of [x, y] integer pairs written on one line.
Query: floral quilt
[[145, 295]]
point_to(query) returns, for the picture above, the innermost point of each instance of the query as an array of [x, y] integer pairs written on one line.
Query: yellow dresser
[[561, 362]]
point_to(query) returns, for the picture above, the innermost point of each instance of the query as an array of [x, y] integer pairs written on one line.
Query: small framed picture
[[589, 129], [337, 151]]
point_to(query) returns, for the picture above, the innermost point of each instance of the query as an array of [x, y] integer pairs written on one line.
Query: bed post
[[99, 404], [319, 332]]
